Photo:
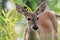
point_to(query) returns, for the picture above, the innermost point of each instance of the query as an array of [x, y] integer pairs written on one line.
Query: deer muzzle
[[35, 27]]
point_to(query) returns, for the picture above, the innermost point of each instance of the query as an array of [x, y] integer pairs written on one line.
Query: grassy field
[[59, 32]]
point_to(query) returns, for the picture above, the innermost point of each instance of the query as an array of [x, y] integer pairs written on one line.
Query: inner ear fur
[[20, 9], [41, 7]]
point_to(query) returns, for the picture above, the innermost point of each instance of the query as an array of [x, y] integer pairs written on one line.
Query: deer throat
[[33, 35]]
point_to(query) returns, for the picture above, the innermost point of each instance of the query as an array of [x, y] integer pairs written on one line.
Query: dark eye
[[37, 18], [29, 19]]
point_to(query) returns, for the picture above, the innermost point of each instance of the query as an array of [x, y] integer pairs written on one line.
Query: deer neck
[[32, 35]]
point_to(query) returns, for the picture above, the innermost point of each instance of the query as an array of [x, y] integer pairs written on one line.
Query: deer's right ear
[[20, 9]]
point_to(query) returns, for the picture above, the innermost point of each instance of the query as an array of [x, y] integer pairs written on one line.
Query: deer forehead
[[31, 15]]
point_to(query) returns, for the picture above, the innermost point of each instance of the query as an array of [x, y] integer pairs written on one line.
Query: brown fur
[[46, 23], [47, 27]]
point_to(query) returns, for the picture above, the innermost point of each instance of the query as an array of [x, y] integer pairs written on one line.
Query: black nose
[[35, 27]]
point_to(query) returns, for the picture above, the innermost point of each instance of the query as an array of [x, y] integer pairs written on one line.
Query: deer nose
[[35, 27]]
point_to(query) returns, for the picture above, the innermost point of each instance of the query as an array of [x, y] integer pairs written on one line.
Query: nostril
[[35, 27]]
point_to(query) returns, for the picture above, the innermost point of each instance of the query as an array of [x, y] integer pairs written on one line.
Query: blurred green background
[[12, 24]]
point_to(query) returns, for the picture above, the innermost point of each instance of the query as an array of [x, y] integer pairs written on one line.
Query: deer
[[41, 24]]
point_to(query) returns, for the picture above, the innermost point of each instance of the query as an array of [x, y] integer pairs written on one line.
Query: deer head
[[32, 17]]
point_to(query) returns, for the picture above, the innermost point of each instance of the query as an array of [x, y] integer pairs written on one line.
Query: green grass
[[59, 32]]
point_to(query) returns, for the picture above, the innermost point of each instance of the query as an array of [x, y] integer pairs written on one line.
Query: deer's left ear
[[41, 8]]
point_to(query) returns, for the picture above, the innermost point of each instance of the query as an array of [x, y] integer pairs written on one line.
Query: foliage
[[54, 5], [9, 19]]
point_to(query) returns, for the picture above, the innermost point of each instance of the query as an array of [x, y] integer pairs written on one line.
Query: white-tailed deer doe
[[42, 24]]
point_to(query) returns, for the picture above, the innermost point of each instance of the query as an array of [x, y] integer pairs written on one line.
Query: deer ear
[[41, 8], [20, 9]]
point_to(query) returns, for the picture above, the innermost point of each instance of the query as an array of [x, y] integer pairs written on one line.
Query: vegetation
[[11, 19]]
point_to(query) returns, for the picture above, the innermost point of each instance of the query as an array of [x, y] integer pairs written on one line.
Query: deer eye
[[29, 19], [37, 18]]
